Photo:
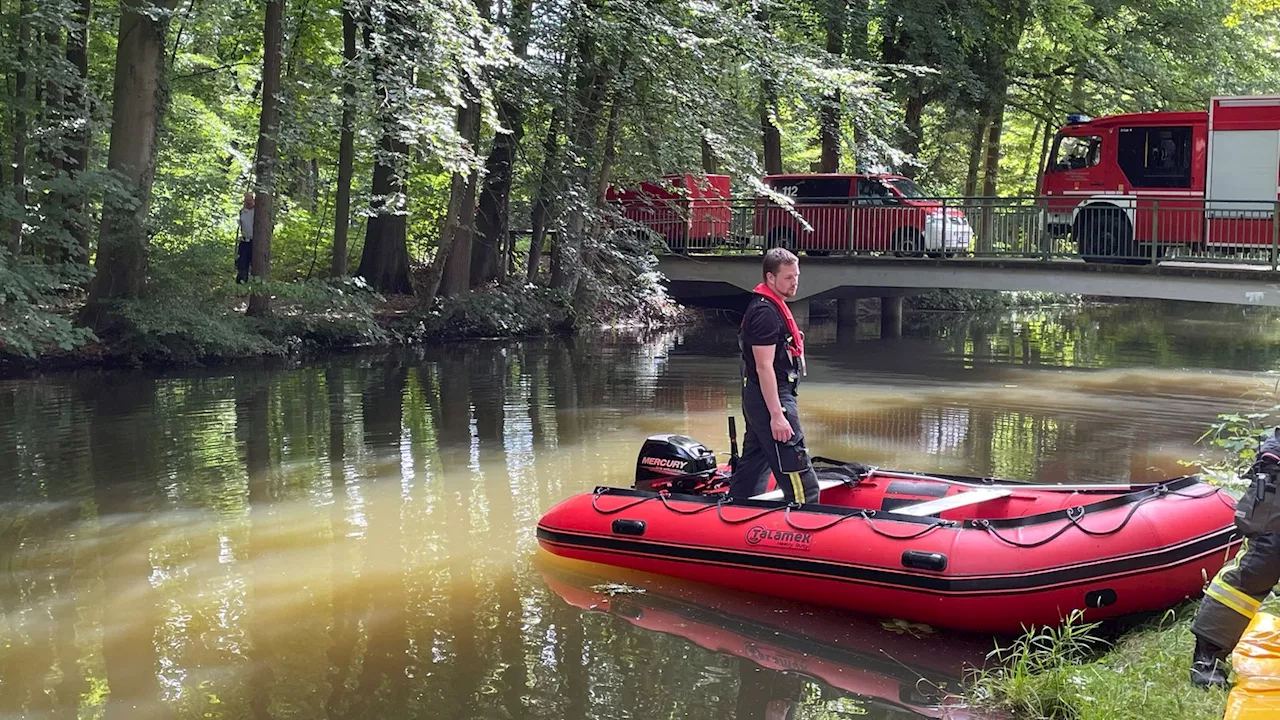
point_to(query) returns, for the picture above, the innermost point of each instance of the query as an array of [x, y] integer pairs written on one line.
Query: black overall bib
[[761, 454]]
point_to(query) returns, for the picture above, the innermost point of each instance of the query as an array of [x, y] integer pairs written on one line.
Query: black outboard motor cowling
[[674, 463]]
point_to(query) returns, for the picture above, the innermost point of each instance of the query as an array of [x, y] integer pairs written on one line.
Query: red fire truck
[[688, 211], [1131, 186]]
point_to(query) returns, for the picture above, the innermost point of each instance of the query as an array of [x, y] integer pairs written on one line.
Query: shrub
[[499, 311]]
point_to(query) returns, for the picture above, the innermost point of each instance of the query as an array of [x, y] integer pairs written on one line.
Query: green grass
[[1072, 673]]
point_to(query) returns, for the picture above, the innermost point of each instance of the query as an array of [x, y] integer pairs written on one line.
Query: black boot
[[1209, 666]]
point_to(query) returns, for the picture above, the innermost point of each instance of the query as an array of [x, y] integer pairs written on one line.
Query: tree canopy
[[435, 147]]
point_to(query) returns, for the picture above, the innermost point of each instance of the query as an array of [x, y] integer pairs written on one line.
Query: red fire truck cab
[[858, 213], [686, 210], [1129, 186]]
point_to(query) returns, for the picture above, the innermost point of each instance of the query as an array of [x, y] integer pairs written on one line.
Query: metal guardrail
[[1101, 229]]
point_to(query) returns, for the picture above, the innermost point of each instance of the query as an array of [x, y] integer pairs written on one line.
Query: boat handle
[[623, 526], [924, 560]]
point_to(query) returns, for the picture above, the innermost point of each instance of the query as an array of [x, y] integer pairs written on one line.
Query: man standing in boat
[[1236, 593], [772, 361]]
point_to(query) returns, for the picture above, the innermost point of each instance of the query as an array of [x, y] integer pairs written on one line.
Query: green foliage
[[948, 299], [622, 283], [32, 320], [1058, 676], [1234, 438], [209, 322], [503, 311], [1036, 674], [636, 89]]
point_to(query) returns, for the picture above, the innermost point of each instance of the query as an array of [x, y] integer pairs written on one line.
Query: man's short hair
[[776, 258]]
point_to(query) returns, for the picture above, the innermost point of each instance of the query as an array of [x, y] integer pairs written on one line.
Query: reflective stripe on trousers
[[1237, 591]]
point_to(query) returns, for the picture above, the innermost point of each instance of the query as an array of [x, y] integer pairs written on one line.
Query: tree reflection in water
[[354, 539]]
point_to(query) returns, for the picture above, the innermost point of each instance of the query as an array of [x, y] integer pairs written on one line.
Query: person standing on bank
[[772, 362], [244, 249], [1236, 593]]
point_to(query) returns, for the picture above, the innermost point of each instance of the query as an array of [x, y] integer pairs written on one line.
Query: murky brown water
[[356, 539]]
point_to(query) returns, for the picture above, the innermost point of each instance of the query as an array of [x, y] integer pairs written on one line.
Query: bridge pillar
[[891, 317], [847, 313], [800, 311]]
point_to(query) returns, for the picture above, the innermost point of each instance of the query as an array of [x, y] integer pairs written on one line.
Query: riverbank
[[310, 321], [1074, 673], [314, 318], [1083, 671]]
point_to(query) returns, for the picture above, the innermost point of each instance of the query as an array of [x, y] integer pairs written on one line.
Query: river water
[[355, 538]]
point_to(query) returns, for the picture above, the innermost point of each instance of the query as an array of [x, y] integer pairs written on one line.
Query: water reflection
[[793, 660], [354, 539]]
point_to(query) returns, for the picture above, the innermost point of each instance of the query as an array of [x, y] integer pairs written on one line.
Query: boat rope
[[868, 514], [678, 511], [1077, 513], [1074, 516], [749, 518], [661, 496], [865, 515], [595, 500]]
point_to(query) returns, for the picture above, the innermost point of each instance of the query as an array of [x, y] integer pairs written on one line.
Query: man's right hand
[[781, 428]]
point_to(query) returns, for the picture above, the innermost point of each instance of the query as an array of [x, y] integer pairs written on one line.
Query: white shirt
[[246, 224]]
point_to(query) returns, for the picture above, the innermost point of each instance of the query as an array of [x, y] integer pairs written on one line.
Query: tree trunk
[[975, 154], [547, 185], [856, 48], [991, 166], [493, 220], [771, 137], [346, 145], [20, 127], [590, 92], [460, 223], [52, 149], [991, 169], [829, 114], [610, 154], [384, 263], [709, 164], [1077, 101], [461, 202], [1044, 155], [1031, 150], [268, 143], [136, 115], [492, 217], [81, 139], [458, 267], [913, 122]]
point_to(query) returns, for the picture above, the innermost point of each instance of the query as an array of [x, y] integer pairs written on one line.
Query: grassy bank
[[1092, 672], [1076, 672], [310, 319]]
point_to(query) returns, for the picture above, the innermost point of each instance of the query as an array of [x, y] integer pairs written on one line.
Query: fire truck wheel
[[781, 237], [908, 243], [1104, 235]]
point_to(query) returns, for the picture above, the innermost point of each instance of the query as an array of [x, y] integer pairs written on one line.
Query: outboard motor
[[674, 463]]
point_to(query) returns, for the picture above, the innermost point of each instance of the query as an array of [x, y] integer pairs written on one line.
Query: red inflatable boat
[[970, 554], [893, 673]]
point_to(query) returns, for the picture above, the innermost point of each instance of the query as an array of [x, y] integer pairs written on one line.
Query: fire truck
[[1130, 187], [687, 211]]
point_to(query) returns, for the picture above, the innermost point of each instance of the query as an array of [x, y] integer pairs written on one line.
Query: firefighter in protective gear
[[1236, 593], [772, 362]]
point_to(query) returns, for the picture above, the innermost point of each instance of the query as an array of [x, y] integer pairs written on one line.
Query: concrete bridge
[[722, 281]]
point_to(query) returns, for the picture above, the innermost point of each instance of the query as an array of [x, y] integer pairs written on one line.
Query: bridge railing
[[1104, 229]]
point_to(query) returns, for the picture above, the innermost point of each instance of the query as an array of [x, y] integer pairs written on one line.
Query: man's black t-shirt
[[763, 325]]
